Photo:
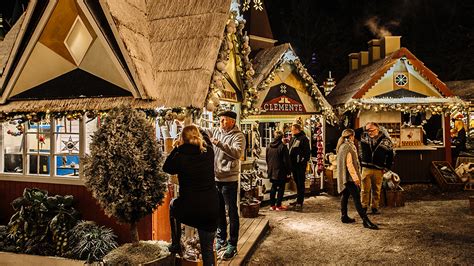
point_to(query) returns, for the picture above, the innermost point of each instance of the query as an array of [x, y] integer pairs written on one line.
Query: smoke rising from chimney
[[373, 23]]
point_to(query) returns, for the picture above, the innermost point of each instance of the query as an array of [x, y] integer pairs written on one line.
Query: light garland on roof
[[238, 41], [406, 105], [162, 115]]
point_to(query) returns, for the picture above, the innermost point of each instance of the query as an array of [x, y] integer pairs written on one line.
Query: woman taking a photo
[[349, 177], [192, 160]]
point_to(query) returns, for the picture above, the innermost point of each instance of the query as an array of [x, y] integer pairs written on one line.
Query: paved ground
[[433, 228]]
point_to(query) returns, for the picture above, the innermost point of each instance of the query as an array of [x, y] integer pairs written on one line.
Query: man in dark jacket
[[299, 157], [278, 169], [376, 152]]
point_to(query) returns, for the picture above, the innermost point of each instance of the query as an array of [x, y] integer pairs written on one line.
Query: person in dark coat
[[299, 157], [278, 169], [376, 153], [192, 160], [460, 140]]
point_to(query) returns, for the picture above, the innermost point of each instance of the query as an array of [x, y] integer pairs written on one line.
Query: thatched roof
[[79, 104], [462, 88], [352, 82], [172, 46], [357, 83], [266, 60], [7, 44]]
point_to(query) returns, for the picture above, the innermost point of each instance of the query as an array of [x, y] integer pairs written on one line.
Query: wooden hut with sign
[[66, 62], [288, 94], [389, 85]]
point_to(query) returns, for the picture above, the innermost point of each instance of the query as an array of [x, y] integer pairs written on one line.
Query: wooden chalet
[[67, 61], [390, 85]]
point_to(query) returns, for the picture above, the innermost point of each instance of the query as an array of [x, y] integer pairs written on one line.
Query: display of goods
[[445, 176]]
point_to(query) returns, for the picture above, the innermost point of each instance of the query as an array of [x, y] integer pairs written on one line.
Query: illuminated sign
[[283, 99]]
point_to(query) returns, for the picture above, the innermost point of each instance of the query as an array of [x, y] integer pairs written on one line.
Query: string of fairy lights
[[407, 105]]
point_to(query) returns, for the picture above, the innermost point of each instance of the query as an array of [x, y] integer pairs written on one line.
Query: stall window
[[92, 125], [45, 148], [67, 141], [12, 133], [38, 143]]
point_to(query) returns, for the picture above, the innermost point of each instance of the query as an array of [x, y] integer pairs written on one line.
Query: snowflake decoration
[[283, 89], [258, 5], [246, 5], [70, 145]]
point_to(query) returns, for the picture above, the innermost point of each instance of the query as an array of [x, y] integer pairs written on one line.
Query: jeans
[[299, 172], [278, 186], [352, 190], [371, 182], [228, 199], [206, 239]]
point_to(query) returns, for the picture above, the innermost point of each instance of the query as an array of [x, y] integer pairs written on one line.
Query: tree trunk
[[134, 232]]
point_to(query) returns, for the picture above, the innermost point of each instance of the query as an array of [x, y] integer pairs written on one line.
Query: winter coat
[[197, 203], [278, 160], [374, 153], [343, 175], [299, 150], [227, 153]]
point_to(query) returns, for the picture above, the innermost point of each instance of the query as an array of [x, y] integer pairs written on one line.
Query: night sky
[[439, 32]]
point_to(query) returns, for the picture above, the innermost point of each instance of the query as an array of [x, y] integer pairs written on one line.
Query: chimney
[[389, 44], [363, 58], [353, 61], [374, 50]]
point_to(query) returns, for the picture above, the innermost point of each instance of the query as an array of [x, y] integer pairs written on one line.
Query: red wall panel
[[83, 202]]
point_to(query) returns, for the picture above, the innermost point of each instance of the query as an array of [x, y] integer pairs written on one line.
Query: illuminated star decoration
[[246, 5], [257, 4], [283, 89], [70, 145]]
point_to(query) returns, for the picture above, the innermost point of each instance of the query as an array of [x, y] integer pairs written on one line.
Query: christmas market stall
[[389, 85], [288, 94], [465, 90], [65, 64]]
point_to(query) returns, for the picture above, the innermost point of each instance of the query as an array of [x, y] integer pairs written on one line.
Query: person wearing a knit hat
[[229, 145]]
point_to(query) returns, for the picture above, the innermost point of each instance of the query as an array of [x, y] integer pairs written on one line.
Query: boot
[[375, 211], [347, 220], [175, 246], [365, 210], [368, 224]]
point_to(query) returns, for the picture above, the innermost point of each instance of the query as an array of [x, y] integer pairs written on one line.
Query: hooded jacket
[[278, 160], [227, 153]]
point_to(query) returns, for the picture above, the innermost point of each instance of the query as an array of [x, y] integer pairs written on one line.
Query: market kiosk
[[287, 94], [392, 87]]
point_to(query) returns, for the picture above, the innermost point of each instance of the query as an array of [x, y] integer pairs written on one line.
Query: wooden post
[[161, 227], [447, 138]]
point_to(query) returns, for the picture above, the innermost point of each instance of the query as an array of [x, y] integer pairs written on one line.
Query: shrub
[[91, 242], [40, 224], [123, 171]]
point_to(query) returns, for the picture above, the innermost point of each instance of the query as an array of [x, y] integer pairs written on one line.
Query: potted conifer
[[124, 172]]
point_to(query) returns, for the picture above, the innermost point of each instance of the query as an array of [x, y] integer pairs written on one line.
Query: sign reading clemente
[[283, 99]]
